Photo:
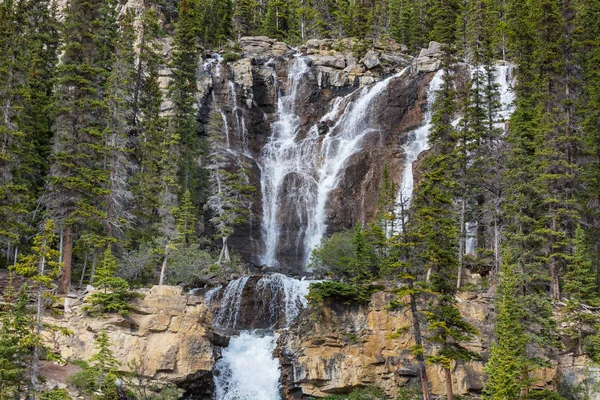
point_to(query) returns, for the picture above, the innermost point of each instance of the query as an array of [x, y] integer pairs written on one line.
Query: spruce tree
[[508, 360], [120, 86], [16, 340], [580, 289], [77, 176], [113, 292], [183, 123], [42, 267]]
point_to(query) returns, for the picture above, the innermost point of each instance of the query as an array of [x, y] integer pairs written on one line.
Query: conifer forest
[[300, 199]]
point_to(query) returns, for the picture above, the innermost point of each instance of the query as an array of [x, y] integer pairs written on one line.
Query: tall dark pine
[[77, 176], [182, 92]]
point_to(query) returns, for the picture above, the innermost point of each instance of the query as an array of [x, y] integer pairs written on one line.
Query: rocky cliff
[[331, 348], [265, 97]]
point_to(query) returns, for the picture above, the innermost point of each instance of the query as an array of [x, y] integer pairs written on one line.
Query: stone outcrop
[[332, 348], [246, 92], [339, 347], [168, 333]]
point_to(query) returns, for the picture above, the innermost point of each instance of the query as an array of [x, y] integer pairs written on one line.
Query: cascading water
[[418, 141], [280, 157], [248, 370], [310, 166]]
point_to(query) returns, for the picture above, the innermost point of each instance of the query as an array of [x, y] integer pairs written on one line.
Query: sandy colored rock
[[165, 333]]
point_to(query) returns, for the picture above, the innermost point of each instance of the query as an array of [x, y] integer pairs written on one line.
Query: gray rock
[[434, 50], [328, 61], [257, 45], [426, 64], [371, 60]]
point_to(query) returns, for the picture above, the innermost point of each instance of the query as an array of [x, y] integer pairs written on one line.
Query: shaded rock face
[[247, 91]]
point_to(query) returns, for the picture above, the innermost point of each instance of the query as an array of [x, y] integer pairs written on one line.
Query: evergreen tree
[[145, 184], [120, 86], [106, 368], [114, 292], [580, 287], [182, 91], [17, 339], [436, 233], [77, 177], [42, 267], [508, 360]]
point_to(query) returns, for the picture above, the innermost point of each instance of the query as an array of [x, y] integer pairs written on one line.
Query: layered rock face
[[333, 348], [314, 127], [338, 348], [168, 334]]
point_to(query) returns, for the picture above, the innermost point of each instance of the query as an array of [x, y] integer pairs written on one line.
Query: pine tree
[[106, 368], [42, 267], [182, 91], [120, 85], [77, 177], [508, 359], [28, 40], [16, 341], [580, 288], [114, 292], [436, 232], [588, 50], [146, 184], [245, 18]]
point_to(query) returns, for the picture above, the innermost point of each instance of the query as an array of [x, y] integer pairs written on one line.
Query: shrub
[[114, 294], [348, 292], [230, 56]]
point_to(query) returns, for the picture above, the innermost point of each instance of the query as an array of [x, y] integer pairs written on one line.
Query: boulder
[[426, 64], [328, 61], [434, 50], [370, 60], [257, 45]]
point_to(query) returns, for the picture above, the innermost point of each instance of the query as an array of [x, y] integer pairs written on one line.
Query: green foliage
[[508, 360], [370, 393], [113, 293], [349, 255], [543, 395], [347, 292], [55, 394], [231, 57], [98, 379], [17, 338]]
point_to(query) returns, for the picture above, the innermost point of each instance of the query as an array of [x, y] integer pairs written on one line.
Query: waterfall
[[308, 168], [280, 157], [248, 369], [227, 314], [418, 141]]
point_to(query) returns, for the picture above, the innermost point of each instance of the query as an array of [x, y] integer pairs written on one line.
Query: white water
[[229, 310], [310, 165], [248, 370], [418, 141]]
